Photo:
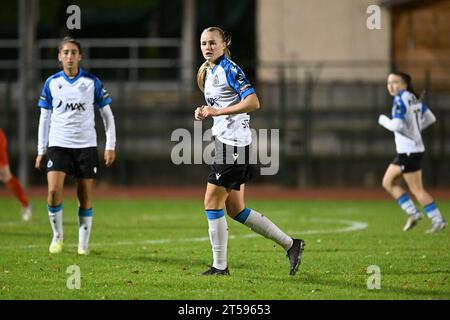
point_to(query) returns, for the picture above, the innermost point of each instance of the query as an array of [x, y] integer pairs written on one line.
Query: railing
[[329, 133], [132, 60]]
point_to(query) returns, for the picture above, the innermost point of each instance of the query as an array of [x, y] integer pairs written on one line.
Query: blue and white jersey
[[226, 85], [409, 109], [72, 102]]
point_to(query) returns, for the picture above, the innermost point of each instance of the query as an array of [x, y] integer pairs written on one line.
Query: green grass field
[[154, 249]]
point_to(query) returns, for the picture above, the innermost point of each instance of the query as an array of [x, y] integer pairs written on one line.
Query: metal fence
[[329, 135]]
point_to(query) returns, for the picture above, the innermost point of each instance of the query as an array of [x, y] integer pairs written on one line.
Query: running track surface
[[252, 191]]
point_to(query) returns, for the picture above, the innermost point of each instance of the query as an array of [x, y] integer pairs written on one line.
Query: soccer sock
[[55, 215], [218, 234], [84, 227], [262, 225], [407, 204], [14, 185], [433, 212]]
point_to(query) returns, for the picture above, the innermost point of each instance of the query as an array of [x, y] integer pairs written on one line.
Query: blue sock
[[243, 215], [432, 211], [405, 202]]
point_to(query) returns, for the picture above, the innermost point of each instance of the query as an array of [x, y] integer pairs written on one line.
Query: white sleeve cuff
[[395, 124]]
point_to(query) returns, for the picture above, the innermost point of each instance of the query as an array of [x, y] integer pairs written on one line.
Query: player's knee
[[233, 210], [5, 175], [53, 196], [207, 203], [387, 184]]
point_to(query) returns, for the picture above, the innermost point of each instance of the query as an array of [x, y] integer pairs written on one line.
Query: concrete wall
[[322, 30]]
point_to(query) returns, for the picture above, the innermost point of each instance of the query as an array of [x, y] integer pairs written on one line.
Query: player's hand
[[39, 163], [110, 156], [208, 112], [382, 119], [198, 113]]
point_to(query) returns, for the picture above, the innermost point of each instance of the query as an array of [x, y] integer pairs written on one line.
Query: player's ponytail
[[406, 78], [201, 74]]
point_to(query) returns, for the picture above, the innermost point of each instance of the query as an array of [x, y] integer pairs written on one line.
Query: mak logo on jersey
[[75, 106]]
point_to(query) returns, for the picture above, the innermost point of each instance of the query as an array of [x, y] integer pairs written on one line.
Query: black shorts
[[409, 162], [231, 166], [82, 163]]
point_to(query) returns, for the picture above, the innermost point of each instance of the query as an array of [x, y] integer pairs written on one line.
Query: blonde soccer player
[[230, 97]]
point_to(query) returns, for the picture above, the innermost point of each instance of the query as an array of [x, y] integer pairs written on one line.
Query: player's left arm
[[110, 131], [103, 101]]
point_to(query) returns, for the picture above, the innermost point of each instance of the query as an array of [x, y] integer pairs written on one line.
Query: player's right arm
[[44, 127], [394, 125], [45, 104]]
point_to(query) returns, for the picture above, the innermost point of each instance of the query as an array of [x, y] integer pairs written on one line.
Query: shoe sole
[[300, 254], [412, 225], [437, 230]]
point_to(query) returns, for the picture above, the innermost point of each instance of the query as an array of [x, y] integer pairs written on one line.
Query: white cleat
[[438, 226], [27, 213], [56, 246], [82, 252], [412, 221]]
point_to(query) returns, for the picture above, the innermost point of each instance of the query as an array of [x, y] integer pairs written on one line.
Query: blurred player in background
[[230, 96], [409, 117], [68, 138], [10, 180]]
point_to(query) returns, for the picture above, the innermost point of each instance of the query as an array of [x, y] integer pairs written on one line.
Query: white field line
[[349, 227]]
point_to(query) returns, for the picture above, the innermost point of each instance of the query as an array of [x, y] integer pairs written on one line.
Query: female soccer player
[[68, 138], [409, 117], [230, 96], [10, 180]]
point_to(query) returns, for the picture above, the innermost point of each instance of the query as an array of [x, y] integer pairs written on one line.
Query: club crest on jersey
[[216, 81], [82, 87]]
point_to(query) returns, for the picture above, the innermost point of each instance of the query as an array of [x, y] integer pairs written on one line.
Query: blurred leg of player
[[392, 184], [55, 209], [414, 181], [84, 192], [11, 181], [262, 225]]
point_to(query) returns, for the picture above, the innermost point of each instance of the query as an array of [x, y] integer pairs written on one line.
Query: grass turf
[[154, 249]]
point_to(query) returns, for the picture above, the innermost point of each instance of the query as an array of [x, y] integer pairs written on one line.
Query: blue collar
[[400, 93], [217, 63], [80, 73]]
